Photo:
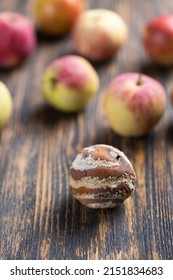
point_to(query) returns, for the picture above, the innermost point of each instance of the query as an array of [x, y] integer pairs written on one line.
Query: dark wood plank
[[39, 217]]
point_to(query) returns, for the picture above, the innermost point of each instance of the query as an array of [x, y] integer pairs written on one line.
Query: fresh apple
[[6, 105], [17, 39], [56, 17], [69, 83], [98, 34], [158, 39], [134, 103]]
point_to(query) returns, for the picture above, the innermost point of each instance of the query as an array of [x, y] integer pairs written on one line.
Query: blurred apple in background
[[158, 39], [56, 17], [69, 83], [6, 105], [171, 96], [98, 34], [17, 39], [134, 103]]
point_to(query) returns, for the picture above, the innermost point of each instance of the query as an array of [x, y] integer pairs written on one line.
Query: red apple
[[98, 34], [17, 39], [134, 103], [56, 17], [158, 39], [69, 83]]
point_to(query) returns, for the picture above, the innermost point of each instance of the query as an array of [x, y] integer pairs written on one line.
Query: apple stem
[[53, 82], [139, 80]]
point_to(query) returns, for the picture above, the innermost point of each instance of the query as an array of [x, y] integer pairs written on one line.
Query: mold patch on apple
[[101, 176]]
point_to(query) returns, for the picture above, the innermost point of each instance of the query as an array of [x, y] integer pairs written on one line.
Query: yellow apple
[[6, 105], [98, 34]]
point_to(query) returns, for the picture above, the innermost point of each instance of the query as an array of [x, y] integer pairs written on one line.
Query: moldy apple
[[101, 176]]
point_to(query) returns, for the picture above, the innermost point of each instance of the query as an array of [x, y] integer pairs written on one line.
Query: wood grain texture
[[39, 219]]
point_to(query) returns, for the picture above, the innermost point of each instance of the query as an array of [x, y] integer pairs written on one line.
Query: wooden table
[[39, 217]]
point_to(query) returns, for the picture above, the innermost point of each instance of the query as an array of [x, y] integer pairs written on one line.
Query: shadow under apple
[[47, 115]]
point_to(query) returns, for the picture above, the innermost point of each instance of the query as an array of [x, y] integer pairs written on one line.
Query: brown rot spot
[[104, 195], [113, 154]]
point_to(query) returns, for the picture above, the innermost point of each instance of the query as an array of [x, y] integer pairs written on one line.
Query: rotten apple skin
[[158, 39], [98, 34], [56, 17], [6, 105], [134, 103], [17, 39], [69, 83]]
